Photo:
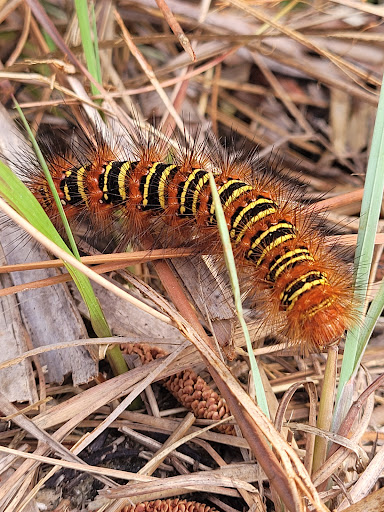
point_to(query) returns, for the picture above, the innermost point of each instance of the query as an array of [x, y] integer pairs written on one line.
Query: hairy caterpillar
[[297, 281]]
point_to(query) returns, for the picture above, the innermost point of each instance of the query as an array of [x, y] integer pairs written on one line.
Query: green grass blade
[[49, 179], [90, 48], [230, 263], [96, 44], [373, 315], [51, 45], [370, 210]]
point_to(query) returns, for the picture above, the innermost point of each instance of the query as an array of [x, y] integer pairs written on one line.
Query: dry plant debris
[[188, 388], [169, 506], [298, 79]]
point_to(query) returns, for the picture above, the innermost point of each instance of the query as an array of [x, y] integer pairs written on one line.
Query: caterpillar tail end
[[318, 330]]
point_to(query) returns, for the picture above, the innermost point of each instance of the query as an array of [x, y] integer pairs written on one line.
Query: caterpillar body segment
[[282, 257]]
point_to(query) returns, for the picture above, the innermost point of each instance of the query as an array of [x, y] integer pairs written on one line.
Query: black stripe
[[223, 196], [169, 179], [73, 189], [287, 297], [180, 187], [268, 239], [226, 194], [189, 194], [113, 194], [300, 251], [153, 201], [253, 212], [211, 218]]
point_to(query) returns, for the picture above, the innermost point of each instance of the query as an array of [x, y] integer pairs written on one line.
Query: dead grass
[[296, 79]]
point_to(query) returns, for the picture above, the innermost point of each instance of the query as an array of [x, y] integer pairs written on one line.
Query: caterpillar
[[298, 282]]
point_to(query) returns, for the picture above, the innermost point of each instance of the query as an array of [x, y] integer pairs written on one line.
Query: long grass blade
[[370, 211], [230, 263]]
